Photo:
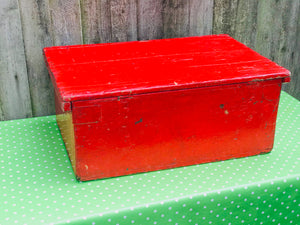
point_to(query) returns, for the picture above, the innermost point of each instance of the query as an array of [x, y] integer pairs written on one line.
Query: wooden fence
[[272, 27]]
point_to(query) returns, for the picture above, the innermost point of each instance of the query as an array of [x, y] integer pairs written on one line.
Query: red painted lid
[[103, 70]]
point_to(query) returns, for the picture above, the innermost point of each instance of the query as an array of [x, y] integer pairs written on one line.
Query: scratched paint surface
[[38, 185], [164, 130], [150, 105], [105, 70]]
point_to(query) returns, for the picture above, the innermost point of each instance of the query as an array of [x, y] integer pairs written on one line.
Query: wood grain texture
[[105, 27], [200, 17], [150, 19], [90, 15], [66, 22], [14, 89], [277, 37], [176, 18], [223, 19], [123, 20], [37, 35], [96, 21], [95, 17], [270, 27], [187, 18], [236, 18]]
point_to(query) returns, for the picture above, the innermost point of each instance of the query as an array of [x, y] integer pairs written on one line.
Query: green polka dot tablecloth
[[38, 185]]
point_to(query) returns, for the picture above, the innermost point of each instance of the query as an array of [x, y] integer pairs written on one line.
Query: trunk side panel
[[140, 133]]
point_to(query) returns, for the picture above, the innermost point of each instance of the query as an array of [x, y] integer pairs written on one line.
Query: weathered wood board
[[14, 88], [37, 35], [66, 22], [150, 19], [123, 20]]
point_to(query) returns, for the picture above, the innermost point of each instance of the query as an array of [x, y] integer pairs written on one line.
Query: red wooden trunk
[[133, 107]]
